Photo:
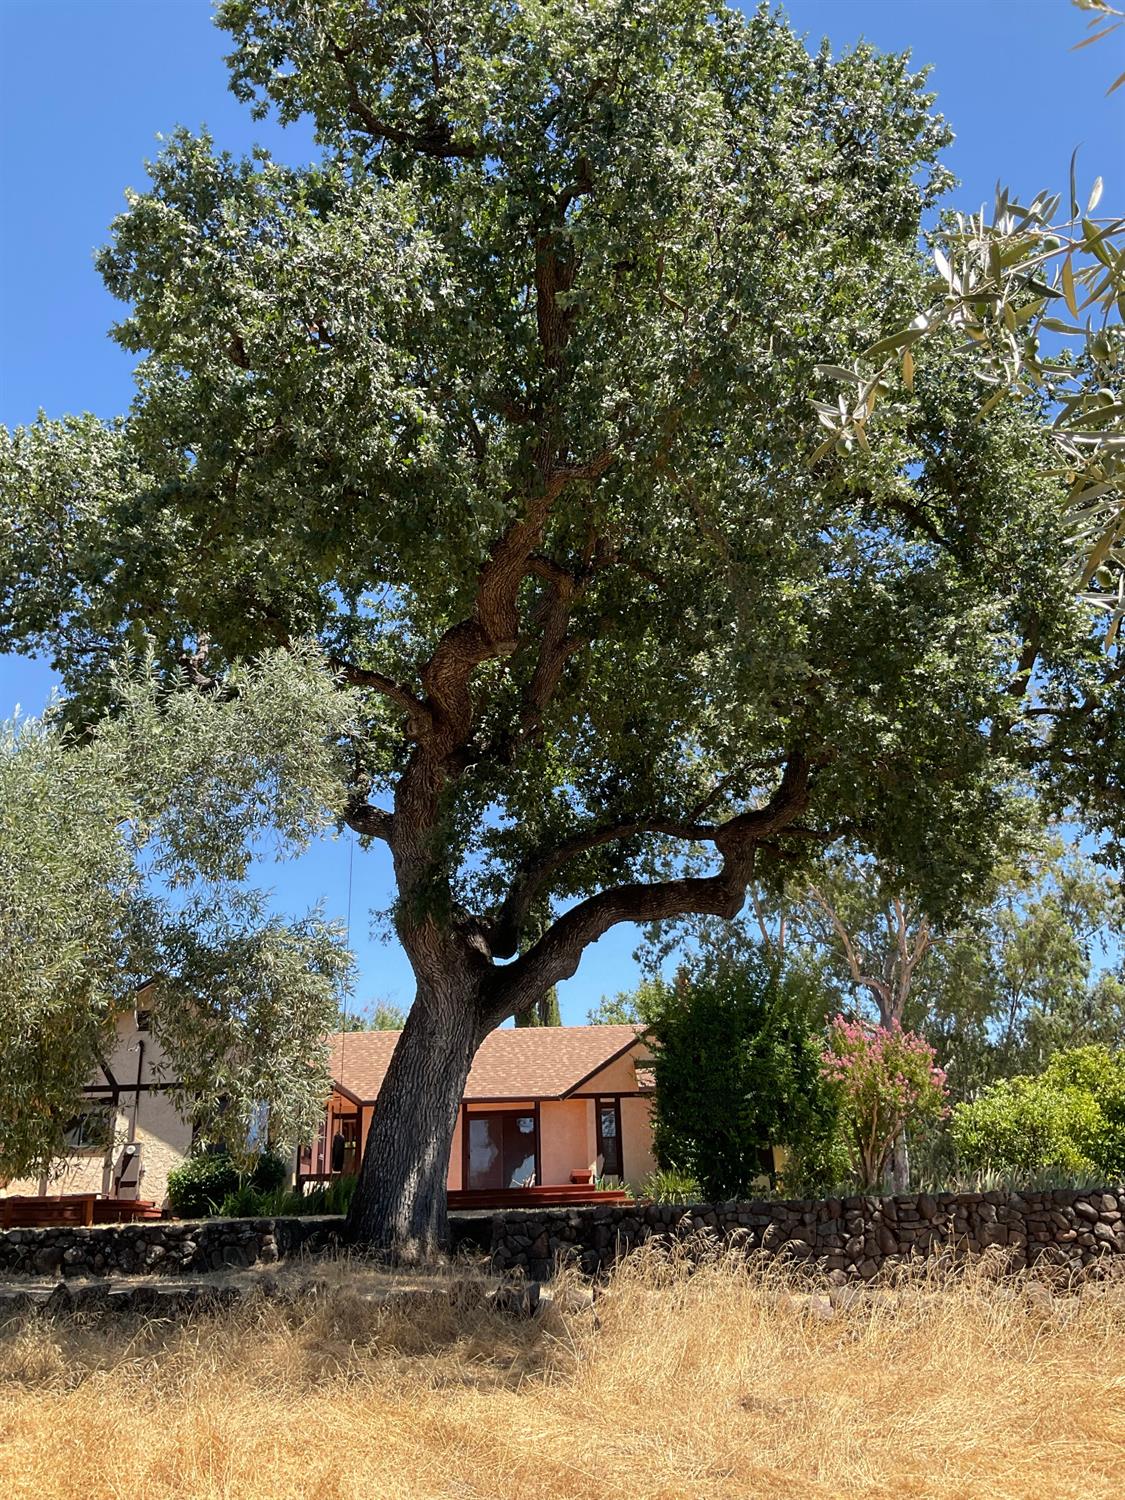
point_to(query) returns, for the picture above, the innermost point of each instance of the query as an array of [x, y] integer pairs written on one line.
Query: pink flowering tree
[[885, 1078]]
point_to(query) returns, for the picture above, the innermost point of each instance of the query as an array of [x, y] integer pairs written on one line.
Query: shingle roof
[[529, 1062]]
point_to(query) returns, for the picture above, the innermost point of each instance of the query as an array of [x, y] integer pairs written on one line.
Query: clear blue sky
[[86, 86]]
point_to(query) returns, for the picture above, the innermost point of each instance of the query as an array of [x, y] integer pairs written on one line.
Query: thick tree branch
[[433, 137], [538, 868], [371, 822], [493, 630], [356, 676], [557, 953]]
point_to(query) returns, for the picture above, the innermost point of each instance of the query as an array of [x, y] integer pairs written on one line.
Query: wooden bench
[[42, 1213], [125, 1210], [73, 1208]]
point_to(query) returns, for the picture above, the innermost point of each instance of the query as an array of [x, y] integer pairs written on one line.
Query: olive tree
[[503, 403], [123, 861]]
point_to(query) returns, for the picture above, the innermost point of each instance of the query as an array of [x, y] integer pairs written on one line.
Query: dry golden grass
[[714, 1384]]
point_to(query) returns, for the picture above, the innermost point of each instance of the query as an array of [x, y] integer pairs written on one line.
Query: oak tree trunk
[[400, 1202]]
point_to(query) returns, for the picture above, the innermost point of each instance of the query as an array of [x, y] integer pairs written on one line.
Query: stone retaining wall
[[842, 1239], [175, 1247]]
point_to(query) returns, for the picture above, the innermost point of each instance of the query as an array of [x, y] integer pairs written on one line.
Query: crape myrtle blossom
[[885, 1077]]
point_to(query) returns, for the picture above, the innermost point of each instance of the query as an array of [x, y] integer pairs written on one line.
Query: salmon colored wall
[[619, 1076], [566, 1129], [636, 1140]]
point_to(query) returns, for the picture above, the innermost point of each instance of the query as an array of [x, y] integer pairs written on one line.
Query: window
[[501, 1149], [609, 1136], [90, 1130]]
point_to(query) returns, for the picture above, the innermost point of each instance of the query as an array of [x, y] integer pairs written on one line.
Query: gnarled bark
[[400, 1202]]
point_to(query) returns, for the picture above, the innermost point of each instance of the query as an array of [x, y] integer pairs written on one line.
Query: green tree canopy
[[737, 1051], [545, 1012], [504, 402], [123, 861], [1069, 1119], [380, 1015]]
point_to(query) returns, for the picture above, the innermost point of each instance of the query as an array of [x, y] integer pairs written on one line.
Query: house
[[129, 1132], [543, 1106]]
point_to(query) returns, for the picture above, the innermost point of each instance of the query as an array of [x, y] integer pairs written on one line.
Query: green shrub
[[247, 1202], [816, 1164], [199, 1185], [666, 1185], [337, 1196], [737, 1070], [202, 1185], [270, 1172], [1067, 1122]]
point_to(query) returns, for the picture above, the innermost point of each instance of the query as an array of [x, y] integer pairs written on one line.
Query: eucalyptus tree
[[503, 402]]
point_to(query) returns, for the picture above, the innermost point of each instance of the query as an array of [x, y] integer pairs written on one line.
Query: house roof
[[528, 1062]]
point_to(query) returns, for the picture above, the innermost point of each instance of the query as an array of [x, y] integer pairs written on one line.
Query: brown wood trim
[[619, 1094], [512, 1101], [556, 1195], [514, 1109], [132, 1088]]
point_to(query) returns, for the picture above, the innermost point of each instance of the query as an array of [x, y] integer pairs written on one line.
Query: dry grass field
[[713, 1384]]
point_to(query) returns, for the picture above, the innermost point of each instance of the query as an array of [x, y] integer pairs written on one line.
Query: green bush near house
[[199, 1187], [1068, 1120], [666, 1185], [248, 1202], [736, 1047]]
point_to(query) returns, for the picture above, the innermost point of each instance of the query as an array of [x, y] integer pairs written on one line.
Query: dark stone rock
[[49, 1258]]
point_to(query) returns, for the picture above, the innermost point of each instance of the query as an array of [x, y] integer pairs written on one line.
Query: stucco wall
[[83, 1172], [165, 1139], [162, 1131], [566, 1130], [620, 1076], [636, 1140]]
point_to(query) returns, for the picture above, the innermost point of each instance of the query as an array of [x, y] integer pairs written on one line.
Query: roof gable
[[528, 1062]]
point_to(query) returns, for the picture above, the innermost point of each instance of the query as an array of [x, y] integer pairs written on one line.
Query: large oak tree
[[506, 402]]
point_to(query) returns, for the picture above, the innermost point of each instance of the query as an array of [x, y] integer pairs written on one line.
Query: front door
[[502, 1147], [609, 1137]]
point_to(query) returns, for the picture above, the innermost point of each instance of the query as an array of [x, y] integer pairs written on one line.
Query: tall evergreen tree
[[505, 402]]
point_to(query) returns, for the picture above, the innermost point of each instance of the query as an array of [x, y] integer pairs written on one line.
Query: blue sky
[[87, 85]]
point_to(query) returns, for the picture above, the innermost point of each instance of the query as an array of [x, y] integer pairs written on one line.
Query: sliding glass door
[[501, 1149]]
